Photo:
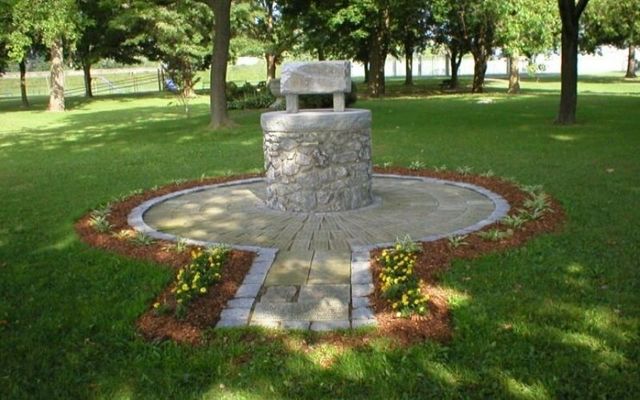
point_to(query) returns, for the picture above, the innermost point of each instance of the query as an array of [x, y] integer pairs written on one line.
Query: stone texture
[[314, 293], [245, 302], [361, 290], [248, 290], [362, 313], [329, 267], [236, 314], [290, 268], [315, 77], [325, 309], [279, 294], [317, 161], [359, 302]]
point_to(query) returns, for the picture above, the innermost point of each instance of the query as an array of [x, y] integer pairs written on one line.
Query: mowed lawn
[[557, 318]]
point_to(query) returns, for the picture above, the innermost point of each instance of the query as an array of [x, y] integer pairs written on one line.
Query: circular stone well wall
[[317, 160]]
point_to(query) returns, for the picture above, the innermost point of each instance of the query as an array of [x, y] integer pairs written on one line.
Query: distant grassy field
[[124, 82], [557, 318]]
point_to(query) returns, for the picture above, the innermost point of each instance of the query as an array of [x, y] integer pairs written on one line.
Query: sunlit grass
[[557, 318]]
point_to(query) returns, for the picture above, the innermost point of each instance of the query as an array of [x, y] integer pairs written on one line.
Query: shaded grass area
[[558, 318]]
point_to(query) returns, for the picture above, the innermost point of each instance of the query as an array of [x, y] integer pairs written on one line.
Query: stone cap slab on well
[[315, 77], [318, 120]]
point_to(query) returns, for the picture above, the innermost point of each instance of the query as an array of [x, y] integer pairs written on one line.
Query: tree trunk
[[271, 66], [23, 83], [86, 67], [570, 14], [455, 59], [479, 71], [631, 62], [514, 75], [221, 37], [408, 61], [376, 71], [321, 56], [56, 90], [378, 54], [366, 66]]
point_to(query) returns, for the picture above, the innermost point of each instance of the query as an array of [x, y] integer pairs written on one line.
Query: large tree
[[263, 22], [175, 32], [570, 13], [526, 28], [410, 30], [448, 30], [221, 39], [473, 24], [614, 22], [54, 24], [100, 38]]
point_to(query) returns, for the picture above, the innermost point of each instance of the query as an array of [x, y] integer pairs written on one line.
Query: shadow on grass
[[514, 339]]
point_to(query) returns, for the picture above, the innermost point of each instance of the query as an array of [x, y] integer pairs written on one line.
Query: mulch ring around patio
[[204, 312]]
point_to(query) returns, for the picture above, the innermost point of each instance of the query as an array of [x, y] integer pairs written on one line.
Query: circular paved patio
[[312, 270], [235, 214]]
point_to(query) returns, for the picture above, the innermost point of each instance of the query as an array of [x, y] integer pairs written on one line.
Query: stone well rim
[[322, 119]]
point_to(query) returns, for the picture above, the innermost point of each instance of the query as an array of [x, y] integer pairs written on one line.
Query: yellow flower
[[203, 290], [185, 286], [156, 305]]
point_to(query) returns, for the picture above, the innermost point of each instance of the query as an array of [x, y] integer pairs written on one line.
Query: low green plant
[[456, 241], [102, 211], [514, 221], [440, 168], [100, 223], [495, 235], [464, 170], [141, 239], [400, 286], [416, 165], [387, 164], [123, 234], [488, 173], [538, 201], [194, 279], [179, 246], [532, 189]]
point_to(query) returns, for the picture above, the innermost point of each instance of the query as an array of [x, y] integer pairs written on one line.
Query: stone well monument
[[317, 160]]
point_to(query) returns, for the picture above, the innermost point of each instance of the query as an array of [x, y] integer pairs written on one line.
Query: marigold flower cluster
[[195, 278], [400, 286]]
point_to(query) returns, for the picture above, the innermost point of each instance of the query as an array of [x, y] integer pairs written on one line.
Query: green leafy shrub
[[400, 286], [194, 278], [248, 96]]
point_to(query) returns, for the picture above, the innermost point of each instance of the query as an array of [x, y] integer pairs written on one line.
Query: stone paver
[[312, 270], [330, 267], [279, 294], [290, 268], [325, 309]]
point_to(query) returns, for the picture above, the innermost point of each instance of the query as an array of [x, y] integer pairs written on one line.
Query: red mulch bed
[[436, 257]]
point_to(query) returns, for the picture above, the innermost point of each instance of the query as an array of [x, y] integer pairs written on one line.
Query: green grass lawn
[[557, 318]]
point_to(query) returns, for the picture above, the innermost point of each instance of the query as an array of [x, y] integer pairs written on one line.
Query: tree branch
[[582, 4]]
